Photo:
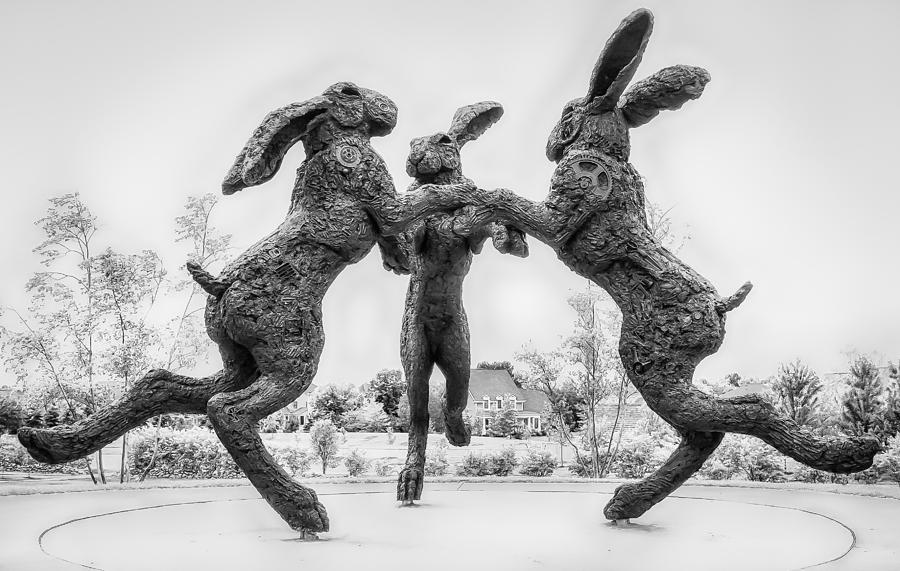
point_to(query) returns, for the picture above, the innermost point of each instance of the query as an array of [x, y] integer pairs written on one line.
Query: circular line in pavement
[[457, 490]]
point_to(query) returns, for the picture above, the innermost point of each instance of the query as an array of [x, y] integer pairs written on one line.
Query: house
[[299, 409], [493, 390]]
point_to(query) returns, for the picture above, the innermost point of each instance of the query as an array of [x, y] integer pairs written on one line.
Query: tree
[[862, 407], [892, 402], [207, 246], [660, 224], [797, 389], [593, 351], [436, 409], [127, 286], [505, 423], [10, 415], [58, 340], [887, 464], [388, 388], [323, 438], [545, 374], [332, 403], [187, 331]]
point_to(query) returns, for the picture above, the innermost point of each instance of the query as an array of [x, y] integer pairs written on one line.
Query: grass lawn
[[377, 445]]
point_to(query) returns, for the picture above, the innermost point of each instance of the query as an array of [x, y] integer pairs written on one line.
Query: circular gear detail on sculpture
[[348, 155], [592, 177]]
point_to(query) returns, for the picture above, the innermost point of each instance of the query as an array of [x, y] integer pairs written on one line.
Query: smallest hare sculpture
[[439, 250]]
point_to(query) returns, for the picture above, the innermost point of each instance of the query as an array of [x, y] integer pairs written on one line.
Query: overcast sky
[[784, 171]]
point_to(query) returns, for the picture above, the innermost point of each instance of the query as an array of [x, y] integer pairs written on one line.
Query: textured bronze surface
[[672, 316], [264, 310], [439, 250]]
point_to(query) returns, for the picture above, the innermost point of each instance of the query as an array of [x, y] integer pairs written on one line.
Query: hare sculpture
[[435, 330]]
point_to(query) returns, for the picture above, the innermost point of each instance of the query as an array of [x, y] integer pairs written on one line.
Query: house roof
[[744, 390], [494, 383]]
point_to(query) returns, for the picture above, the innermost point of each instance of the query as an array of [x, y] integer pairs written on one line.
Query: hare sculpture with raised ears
[[435, 330], [265, 309], [595, 220]]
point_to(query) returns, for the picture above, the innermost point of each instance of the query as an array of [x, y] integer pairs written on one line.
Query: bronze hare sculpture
[[435, 329], [595, 220], [264, 310]]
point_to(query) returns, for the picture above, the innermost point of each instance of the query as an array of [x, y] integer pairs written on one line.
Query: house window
[[494, 405], [520, 405], [479, 405]]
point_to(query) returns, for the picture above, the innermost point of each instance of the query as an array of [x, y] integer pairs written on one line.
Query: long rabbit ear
[[619, 60], [471, 121], [261, 157], [668, 88]]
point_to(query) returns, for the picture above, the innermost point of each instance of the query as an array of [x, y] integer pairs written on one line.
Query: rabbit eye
[[351, 91]]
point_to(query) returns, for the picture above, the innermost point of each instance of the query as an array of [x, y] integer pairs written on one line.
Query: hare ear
[[668, 88], [261, 157], [471, 121], [619, 60]]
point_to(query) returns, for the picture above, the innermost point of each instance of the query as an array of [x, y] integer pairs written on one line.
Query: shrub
[[268, 425], [357, 464], [436, 463], [368, 418], [888, 463], [714, 470], [582, 466], [291, 458], [538, 464], [10, 416], [189, 454], [869, 476], [810, 475], [324, 441], [503, 463], [290, 424], [500, 464], [14, 458], [841, 479], [383, 467], [198, 454], [750, 458], [505, 424], [634, 461], [473, 465]]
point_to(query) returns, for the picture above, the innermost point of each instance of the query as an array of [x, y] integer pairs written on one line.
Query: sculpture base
[[499, 526]]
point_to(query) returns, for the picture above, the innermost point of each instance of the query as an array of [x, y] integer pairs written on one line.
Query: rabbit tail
[[205, 280]]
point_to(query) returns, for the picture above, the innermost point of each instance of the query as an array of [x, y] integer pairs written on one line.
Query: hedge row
[[14, 458], [197, 454]]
